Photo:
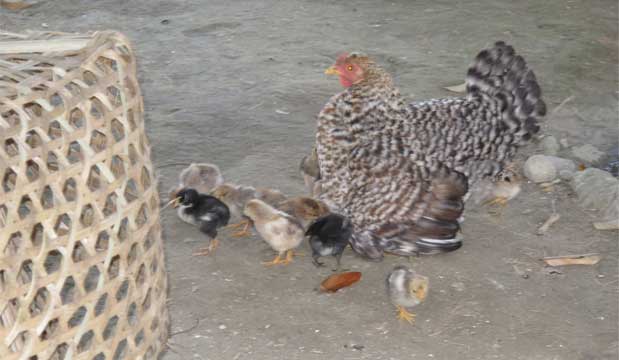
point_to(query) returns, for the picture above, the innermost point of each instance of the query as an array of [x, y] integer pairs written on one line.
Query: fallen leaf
[[460, 88], [337, 281], [587, 259], [606, 225], [15, 5]]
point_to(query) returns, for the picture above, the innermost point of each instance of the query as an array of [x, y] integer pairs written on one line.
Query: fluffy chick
[[202, 177], [280, 230], [235, 197], [204, 211], [311, 172], [328, 236], [304, 209], [406, 289], [270, 196]]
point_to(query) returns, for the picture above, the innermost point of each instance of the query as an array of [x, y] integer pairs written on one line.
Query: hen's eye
[[349, 68]]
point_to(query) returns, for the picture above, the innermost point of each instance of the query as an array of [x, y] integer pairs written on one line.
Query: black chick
[[329, 235], [204, 211]]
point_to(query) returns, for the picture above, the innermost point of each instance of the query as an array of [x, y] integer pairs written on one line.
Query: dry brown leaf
[[14, 5], [587, 259], [337, 281], [460, 88]]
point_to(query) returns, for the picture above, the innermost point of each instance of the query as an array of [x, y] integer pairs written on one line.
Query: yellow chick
[[304, 209], [235, 197], [280, 230], [406, 289]]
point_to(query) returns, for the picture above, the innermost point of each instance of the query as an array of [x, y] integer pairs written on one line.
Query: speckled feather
[[401, 171]]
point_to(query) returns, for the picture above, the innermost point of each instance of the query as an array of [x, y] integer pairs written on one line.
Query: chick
[[304, 209], [205, 211], [270, 196], [280, 230], [201, 177], [235, 197], [311, 172], [499, 190], [406, 289], [329, 235]]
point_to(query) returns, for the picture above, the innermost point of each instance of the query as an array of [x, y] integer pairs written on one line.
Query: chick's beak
[[332, 71]]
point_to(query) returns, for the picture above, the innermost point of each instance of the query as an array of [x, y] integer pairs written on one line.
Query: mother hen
[[402, 171]]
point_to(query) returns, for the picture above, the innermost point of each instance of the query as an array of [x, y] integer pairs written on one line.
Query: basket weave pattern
[[81, 256]]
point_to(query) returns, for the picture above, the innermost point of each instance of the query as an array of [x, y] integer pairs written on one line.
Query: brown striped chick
[[235, 197], [406, 289], [500, 189], [311, 173], [280, 230], [270, 196], [304, 209]]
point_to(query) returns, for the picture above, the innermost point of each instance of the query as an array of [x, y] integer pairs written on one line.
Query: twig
[[186, 330], [172, 164], [548, 223], [562, 104]]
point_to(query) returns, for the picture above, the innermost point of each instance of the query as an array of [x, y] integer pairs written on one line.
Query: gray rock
[[598, 189], [550, 145], [545, 168], [538, 168], [588, 154], [564, 143]]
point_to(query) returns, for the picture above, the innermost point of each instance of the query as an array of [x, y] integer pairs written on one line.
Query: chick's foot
[[404, 314], [205, 251]]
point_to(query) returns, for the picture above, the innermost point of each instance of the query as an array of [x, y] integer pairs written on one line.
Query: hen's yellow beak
[[332, 71]]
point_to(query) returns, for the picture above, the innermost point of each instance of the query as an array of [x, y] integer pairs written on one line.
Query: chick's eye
[[349, 68]]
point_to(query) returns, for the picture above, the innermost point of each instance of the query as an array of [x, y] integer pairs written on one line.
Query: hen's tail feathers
[[499, 73], [436, 230]]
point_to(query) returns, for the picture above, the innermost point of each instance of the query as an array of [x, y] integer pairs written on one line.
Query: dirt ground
[[238, 83]]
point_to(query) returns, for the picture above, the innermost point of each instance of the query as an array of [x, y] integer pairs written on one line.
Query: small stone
[[222, 327], [598, 189], [564, 143], [525, 276], [550, 145], [588, 154], [538, 168], [546, 168], [165, 22]]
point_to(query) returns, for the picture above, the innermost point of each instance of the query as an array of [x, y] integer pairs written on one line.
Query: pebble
[[589, 154], [550, 145], [564, 143], [546, 168], [598, 189]]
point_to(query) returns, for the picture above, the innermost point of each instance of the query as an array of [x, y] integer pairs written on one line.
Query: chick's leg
[[500, 202], [404, 314], [242, 233], [277, 260], [207, 250]]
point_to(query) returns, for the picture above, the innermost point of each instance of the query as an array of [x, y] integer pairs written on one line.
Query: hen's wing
[[399, 206]]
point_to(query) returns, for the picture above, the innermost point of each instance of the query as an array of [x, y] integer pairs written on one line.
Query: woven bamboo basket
[[82, 271]]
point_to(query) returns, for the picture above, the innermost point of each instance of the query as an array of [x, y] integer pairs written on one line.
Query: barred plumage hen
[[401, 171]]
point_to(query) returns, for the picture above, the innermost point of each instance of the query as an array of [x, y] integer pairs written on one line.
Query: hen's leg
[[245, 232]]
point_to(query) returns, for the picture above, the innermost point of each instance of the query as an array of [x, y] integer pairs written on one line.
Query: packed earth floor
[[239, 84]]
